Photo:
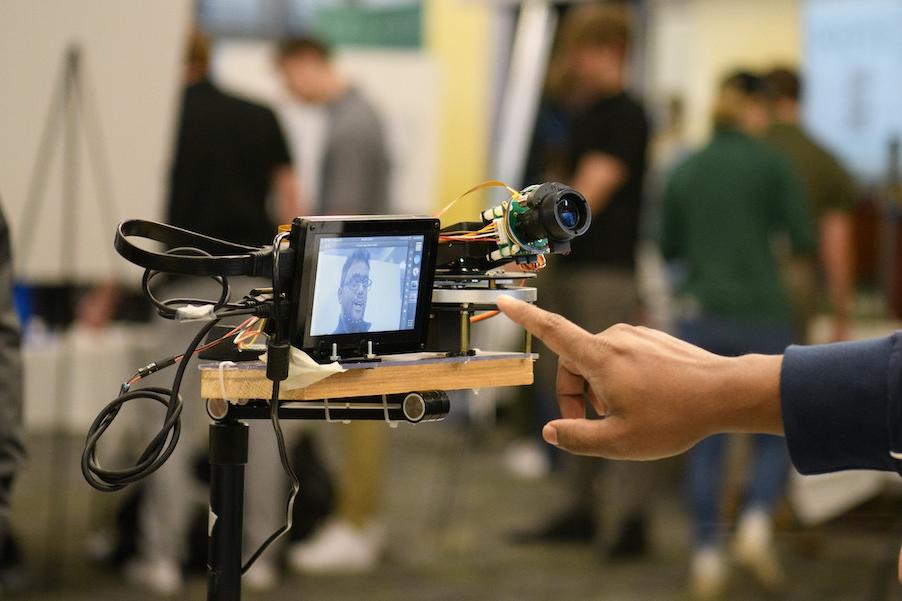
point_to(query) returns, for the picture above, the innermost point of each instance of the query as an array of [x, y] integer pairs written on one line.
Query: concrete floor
[[450, 506]]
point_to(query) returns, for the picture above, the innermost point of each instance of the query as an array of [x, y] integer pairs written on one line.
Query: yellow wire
[[492, 183]]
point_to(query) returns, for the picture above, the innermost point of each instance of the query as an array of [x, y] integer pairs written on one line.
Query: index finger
[[562, 336]]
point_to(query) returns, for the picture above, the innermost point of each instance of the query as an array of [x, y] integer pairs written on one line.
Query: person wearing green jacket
[[723, 207]]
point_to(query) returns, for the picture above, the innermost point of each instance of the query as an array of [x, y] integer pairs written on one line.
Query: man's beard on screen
[[358, 306]]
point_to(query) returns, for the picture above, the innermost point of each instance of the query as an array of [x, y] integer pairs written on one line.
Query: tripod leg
[[228, 456], [34, 200], [97, 156]]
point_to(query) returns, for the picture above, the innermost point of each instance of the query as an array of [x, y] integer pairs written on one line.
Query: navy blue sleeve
[[842, 405]]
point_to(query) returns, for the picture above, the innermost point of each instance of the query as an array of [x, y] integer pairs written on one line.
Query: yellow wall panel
[[457, 34]]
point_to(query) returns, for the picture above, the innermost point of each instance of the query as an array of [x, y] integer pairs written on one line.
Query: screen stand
[[366, 356]]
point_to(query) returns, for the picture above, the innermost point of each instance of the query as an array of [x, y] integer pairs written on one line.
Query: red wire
[[208, 345], [213, 343]]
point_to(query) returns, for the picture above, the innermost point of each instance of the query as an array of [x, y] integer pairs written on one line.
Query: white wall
[[132, 54]]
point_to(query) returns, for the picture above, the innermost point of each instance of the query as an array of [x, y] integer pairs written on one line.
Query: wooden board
[[398, 375]]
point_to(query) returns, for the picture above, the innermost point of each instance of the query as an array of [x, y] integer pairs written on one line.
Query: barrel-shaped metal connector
[[427, 406]]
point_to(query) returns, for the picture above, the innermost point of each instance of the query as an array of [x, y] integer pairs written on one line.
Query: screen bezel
[[305, 235]]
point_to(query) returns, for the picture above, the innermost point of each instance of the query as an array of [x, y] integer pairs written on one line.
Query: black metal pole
[[228, 456]]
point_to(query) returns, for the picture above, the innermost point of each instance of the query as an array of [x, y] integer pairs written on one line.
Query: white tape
[[304, 371], [195, 313]]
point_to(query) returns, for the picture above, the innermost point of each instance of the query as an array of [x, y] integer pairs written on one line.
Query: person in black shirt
[[231, 159], [604, 158], [607, 163], [230, 155]]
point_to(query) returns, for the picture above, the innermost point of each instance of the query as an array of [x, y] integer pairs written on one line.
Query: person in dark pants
[[354, 178], [604, 157], [231, 178], [721, 206]]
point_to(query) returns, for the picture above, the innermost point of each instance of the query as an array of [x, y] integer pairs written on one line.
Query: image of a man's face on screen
[[352, 293]]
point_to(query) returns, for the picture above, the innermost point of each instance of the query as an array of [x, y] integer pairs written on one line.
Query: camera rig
[[451, 277]]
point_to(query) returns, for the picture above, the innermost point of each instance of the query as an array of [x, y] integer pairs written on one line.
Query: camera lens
[[557, 213], [567, 212]]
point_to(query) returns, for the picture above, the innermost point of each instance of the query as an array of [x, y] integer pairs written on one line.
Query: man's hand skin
[[657, 395]]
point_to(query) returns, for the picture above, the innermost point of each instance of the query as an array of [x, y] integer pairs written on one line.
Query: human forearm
[[597, 177], [751, 395], [288, 194]]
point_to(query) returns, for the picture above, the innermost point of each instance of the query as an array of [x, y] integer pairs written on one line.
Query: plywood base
[[398, 375]]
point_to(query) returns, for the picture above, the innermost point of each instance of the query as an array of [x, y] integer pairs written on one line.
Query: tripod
[[72, 108]]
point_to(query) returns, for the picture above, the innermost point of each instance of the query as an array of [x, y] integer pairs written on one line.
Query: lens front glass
[[568, 212]]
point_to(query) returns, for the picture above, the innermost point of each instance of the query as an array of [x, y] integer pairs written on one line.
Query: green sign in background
[[392, 27]]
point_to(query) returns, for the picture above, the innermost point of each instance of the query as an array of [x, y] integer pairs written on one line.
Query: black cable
[[274, 340], [167, 308], [160, 447], [286, 465], [164, 442], [277, 289]]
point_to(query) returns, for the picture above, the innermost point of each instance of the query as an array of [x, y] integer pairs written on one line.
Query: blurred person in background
[[354, 170], [669, 146], [12, 445], [831, 197], [231, 178], [603, 155], [353, 181], [721, 208]]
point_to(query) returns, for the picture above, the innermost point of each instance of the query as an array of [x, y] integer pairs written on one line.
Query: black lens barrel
[[558, 212]]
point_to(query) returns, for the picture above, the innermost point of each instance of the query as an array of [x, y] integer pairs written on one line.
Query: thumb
[[596, 437]]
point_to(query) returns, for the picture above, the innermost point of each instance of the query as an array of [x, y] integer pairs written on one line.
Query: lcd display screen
[[366, 284]]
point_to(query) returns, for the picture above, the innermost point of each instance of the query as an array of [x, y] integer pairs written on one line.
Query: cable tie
[[328, 416], [391, 424], [348, 410], [222, 392]]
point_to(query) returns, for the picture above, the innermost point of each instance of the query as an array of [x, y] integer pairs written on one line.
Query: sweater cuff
[[837, 410]]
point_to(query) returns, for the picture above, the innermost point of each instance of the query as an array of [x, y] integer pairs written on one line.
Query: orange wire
[[492, 183], [484, 316]]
